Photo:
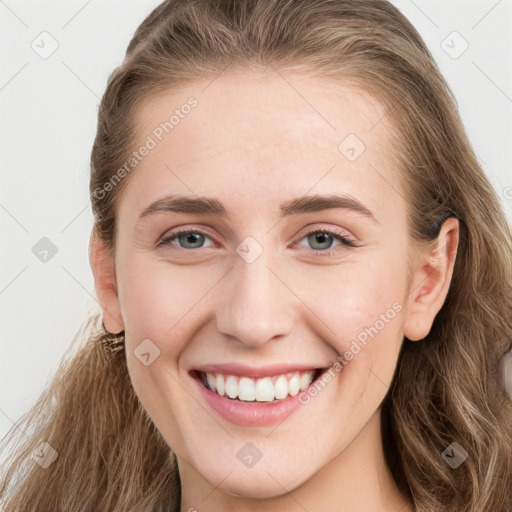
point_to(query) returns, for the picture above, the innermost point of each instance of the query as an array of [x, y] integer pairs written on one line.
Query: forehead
[[254, 140]]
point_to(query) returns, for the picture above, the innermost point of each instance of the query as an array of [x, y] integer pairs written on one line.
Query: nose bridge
[[255, 306]]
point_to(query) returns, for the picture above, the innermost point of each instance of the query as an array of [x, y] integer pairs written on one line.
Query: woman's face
[[250, 293]]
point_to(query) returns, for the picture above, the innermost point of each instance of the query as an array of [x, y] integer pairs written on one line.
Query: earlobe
[[103, 269], [431, 281]]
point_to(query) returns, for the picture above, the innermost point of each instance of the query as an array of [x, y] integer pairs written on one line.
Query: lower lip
[[250, 414]]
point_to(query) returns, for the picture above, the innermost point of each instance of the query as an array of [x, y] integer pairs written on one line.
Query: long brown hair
[[110, 455]]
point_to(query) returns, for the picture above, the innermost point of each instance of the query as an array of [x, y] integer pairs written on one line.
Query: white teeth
[[219, 385], [211, 380], [281, 387], [304, 381], [231, 387], [266, 389], [293, 385], [246, 389]]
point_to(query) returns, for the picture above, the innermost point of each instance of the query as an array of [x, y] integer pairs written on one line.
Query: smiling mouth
[[266, 389]]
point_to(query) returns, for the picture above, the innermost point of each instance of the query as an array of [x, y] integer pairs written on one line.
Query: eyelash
[[326, 252]]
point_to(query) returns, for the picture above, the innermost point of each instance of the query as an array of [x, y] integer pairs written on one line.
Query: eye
[[194, 237], [321, 238]]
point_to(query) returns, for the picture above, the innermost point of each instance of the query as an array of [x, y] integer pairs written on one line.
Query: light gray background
[[48, 119]]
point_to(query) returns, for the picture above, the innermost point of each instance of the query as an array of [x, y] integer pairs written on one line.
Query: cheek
[[361, 309], [160, 395], [159, 302], [352, 297]]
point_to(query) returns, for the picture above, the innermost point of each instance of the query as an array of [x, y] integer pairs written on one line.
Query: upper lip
[[242, 370]]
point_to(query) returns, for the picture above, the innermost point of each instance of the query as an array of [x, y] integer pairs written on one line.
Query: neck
[[354, 480]]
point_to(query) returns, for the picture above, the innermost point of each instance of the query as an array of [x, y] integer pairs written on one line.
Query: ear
[[103, 269], [431, 281]]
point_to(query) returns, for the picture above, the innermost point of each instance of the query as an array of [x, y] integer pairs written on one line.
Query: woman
[[255, 369]]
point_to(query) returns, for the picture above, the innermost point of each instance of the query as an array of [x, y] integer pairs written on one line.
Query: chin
[[257, 482], [249, 488]]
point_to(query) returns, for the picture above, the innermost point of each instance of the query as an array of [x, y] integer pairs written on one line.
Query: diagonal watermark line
[[180, 179], [13, 13], [385, 385], [12, 280], [320, 179], [278, 425], [76, 14], [219, 74], [198, 301], [424, 14], [288, 493], [383, 116], [491, 80], [90, 294], [301, 300], [80, 284], [14, 76], [307, 192], [387, 182], [217, 486], [74, 218], [289, 83], [488, 169], [486, 14], [14, 218], [80, 80], [421, 282], [197, 402], [14, 423]]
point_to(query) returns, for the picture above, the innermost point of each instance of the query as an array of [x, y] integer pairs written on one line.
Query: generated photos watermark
[[356, 346], [152, 141]]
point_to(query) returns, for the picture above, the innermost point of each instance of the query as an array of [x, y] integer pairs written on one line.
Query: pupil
[[192, 237], [323, 238]]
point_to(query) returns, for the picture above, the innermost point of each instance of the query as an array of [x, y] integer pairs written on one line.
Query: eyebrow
[[303, 204]]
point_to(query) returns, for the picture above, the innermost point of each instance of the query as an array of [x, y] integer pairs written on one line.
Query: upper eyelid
[[183, 231], [305, 232]]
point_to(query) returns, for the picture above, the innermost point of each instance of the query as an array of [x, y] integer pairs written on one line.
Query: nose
[[256, 305]]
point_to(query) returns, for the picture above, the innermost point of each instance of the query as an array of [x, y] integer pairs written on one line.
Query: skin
[[252, 142]]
